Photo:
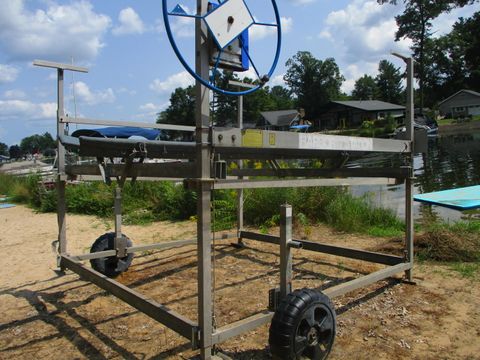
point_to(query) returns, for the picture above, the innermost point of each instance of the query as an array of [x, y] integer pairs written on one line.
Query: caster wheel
[[110, 266], [303, 326]]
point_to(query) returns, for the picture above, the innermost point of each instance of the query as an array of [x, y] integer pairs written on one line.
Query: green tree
[[467, 31], [3, 149], [255, 103], [15, 152], [365, 88], [314, 82], [415, 23], [389, 82], [37, 143], [224, 107], [453, 61], [181, 110], [282, 98]]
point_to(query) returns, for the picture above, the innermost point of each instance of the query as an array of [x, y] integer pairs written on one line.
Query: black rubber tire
[[110, 266], [303, 326]]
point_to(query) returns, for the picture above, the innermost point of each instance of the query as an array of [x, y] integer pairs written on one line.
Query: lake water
[[452, 161]]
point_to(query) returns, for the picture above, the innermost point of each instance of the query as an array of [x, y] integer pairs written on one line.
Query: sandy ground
[[47, 316]]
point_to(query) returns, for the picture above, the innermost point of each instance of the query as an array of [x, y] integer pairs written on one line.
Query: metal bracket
[[408, 282], [220, 169], [102, 166], [195, 340], [195, 184], [274, 297]]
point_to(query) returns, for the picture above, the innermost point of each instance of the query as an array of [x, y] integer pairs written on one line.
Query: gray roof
[[280, 118], [471, 92], [370, 105]]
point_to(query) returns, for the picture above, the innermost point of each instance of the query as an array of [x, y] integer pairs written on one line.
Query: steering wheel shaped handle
[[222, 40]]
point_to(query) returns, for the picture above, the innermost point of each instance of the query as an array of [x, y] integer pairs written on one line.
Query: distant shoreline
[[454, 128]]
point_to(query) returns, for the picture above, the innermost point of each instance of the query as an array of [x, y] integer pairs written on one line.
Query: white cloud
[[124, 90], [181, 79], [149, 107], [85, 95], [325, 34], [149, 111], [8, 73], [130, 23], [259, 31], [362, 34], [59, 32], [364, 30], [250, 73], [183, 26], [26, 110], [277, 81], [355, 71], [14, 94]]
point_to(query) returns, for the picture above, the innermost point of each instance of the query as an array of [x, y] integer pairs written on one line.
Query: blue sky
[[133, 69]]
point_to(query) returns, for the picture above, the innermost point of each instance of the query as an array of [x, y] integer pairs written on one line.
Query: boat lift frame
[[234, 144]]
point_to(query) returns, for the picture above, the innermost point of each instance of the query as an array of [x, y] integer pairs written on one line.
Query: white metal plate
[[223, 31], [335, 142]]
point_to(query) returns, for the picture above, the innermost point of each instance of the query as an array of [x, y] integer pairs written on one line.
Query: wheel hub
[[312, 337]]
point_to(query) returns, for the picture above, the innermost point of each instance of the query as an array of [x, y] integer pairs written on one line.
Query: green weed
[[466, 270]]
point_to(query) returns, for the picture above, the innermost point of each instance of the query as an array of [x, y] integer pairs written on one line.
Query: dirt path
[[49, 316]]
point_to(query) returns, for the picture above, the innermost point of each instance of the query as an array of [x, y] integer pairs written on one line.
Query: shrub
[[150, 201]]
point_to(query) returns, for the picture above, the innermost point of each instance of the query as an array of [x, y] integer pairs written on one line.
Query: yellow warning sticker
[[271, 139], [252, 138]]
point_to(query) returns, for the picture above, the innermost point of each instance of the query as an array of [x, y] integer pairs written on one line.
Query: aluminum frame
[[203, 335]]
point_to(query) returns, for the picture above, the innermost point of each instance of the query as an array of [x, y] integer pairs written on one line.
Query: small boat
[[421, 122]]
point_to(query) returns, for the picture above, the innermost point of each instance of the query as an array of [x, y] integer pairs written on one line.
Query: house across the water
[[351, 114], [462, 103]]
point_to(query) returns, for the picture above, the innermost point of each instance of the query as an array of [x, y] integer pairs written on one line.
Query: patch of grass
[[380, 231], [445, 122], [466, 270], [6, 184], [450, 121], [139, 217]]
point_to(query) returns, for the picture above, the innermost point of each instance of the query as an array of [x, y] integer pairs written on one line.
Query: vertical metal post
[[409, 231], [285, 253], [202, 122], [61, 205], [120, 243], [240, 165]]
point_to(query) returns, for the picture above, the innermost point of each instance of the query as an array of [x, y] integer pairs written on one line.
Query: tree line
[[30, 145], [311, 84], [444, 65]]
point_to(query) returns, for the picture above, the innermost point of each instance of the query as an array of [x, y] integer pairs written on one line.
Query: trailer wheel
[[303, 326], [110, 266]]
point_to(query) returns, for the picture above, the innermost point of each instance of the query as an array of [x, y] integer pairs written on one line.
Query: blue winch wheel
[[210, 82]]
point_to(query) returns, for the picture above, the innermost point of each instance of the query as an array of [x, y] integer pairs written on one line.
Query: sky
[[133, 69]]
